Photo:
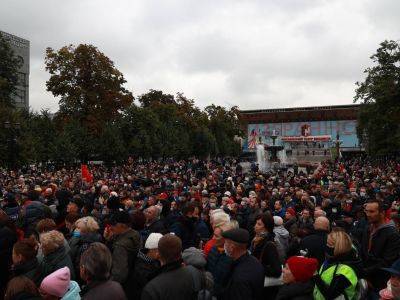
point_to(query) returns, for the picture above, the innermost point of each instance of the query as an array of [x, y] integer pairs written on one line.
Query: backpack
[[199, 280]]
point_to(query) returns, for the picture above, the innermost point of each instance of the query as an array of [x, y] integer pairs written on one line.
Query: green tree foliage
[[88, 84], [98, 120], [379, 94]]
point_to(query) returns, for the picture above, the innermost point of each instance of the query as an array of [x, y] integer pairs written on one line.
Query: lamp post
[[12, 131]]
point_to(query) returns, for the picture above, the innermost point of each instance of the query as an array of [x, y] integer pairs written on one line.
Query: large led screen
[[346, 129]]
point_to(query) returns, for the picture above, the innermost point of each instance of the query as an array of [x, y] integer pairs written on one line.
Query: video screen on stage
[[347, 131]]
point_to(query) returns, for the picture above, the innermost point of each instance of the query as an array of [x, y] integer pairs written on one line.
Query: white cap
[[227, 193], [152, 241]]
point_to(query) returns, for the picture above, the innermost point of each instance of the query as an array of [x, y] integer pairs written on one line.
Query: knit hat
[[57, 283], [152, 240], [278, 221], [291, 211], [302, 268], [194, 257]]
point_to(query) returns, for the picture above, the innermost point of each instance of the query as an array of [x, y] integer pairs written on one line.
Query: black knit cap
[[238, 235], [120, 216]]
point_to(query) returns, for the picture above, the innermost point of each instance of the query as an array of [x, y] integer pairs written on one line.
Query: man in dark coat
[[186, 227], [7, 239], [314, 244], [174, 281], [146, 265], [153, 222], [247, 279], [95, 270], [380, 245], [125, 244]]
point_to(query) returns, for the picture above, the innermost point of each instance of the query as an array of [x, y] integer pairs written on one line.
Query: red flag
[[86, 174]]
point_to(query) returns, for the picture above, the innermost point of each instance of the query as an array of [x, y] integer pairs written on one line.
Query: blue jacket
[[73, 292]]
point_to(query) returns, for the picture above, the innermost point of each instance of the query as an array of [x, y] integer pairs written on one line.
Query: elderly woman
[[55, 254], [85, 233], [95, 270], [297, 279], [337, 275]]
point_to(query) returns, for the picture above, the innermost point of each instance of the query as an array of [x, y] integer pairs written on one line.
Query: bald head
[[321, 223]]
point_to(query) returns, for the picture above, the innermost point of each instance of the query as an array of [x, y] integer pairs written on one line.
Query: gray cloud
[[254, 54]]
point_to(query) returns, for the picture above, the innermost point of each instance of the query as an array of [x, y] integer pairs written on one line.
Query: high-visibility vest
[[327, 277]]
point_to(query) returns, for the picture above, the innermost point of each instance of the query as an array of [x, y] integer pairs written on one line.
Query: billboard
[[346, 128]]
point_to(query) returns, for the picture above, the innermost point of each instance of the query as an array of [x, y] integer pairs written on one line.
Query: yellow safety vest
[[327, 277]]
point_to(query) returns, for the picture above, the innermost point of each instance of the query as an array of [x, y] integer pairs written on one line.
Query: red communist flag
[[86, 174]]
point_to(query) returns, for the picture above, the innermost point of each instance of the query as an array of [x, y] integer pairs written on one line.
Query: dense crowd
[[201, 230]]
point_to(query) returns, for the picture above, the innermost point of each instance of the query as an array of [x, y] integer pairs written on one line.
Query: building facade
[[21, 48], [336, 122]]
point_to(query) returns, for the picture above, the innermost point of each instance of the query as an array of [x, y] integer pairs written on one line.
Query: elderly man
[[314, 244], [247, 277], [153, 222]]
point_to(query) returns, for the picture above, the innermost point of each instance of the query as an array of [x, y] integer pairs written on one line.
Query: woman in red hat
[[297, 278]]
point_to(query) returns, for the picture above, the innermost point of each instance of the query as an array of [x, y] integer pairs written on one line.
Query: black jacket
[[30, 269], [7, 240], [185, 228], [103, 290], [315, 244], [267, 253], [296, 291], [247, 279], [173, 282], [125, 248], [145, 269], [381, 252], [78, 245], [57, 260]]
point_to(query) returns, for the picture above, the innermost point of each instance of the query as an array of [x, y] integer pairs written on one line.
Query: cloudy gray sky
[[254, 54]]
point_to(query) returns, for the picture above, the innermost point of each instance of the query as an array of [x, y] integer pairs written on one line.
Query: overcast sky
[[253, 54]]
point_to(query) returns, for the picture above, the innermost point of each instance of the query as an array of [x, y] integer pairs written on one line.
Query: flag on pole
[[86, 174]]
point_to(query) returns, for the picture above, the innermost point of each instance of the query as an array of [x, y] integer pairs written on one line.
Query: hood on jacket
[[281, 231], [73, 292], [384, 226]]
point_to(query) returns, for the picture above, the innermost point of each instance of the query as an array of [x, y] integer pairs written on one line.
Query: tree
[[378, 123], [90, 87], [9, 65]]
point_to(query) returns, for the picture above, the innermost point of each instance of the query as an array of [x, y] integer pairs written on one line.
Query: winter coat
[[125, 248], [7, 240], [103, 290], [57, 260], [166, 286], [282, 238], [266, 252], [73, 292], [246, 281], [219, 265], [315, 245], [155, 227], [296, 291], [185, 228], [78, 245], [145, 269], [380, 252], [30, 269], [291, 226]]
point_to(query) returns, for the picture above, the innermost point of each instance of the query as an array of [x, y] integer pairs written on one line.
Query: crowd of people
[[201, 230]]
